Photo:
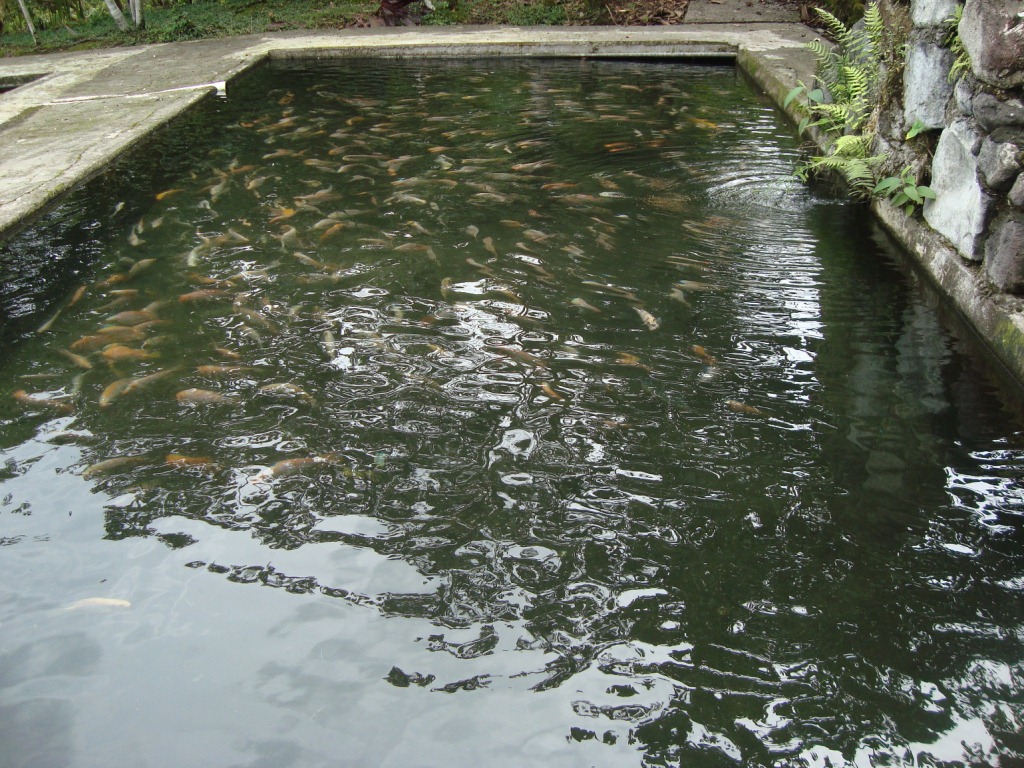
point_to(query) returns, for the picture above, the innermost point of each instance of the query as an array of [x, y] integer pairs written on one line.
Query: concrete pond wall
[[971, 239]]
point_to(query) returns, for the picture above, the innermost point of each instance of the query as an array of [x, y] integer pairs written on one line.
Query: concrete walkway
[[81, 110]]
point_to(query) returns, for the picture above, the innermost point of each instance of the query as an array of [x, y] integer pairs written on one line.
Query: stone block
[[992, 112], [1000, 158], [962, 207], [926, 86], [964, 92], [1004, 253], [1016, 196], [993, 35], [931, 13]]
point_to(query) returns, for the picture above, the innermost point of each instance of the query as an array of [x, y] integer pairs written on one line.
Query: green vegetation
[[856, 74], [961, 60], [62, 25], [90, 25]]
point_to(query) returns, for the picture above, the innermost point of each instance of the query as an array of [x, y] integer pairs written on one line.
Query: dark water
[[577, 433]]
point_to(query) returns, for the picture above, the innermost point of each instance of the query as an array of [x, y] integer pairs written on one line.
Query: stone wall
[[976, 169]]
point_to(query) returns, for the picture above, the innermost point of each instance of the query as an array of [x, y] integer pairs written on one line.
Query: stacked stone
[[976, 171]]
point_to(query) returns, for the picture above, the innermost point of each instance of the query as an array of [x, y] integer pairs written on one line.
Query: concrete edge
[[997, 319], [36, 203]]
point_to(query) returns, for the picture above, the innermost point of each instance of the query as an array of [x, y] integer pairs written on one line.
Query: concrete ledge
[[998, 319]]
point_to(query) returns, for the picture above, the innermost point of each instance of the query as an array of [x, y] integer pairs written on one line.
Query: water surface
[[494, 413]]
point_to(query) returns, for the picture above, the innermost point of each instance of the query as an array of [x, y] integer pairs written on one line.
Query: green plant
[[903, 190], [916, 129], [961, 59], [849, 71], [851, 74], [851, 158]]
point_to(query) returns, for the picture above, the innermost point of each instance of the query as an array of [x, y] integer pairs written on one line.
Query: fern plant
[[961, 59], [851, 73], [851, 158]]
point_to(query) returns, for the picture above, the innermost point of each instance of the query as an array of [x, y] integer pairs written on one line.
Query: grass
[[220, 18]]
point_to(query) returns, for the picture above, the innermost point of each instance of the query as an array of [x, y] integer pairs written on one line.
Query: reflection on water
[[542, 386]]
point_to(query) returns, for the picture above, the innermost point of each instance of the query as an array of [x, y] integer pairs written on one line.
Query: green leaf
[[803, 125], [917, 128], [817, 95], [912, 193], [927, 192], [900, 198], [887, 184], [792, 95]]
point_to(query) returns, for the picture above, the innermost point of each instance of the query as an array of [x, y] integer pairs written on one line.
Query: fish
[[97, 602], [114, 279], [330, 344], [223, 370], [283, 152], [693, 285], [583, 304], [131, 317], [472, 231], [550, 391], [49, 323], [738, 407], [648, 319], [168, 193], [196, 396], [521, 356], [615, 290], [257, 318], [309, 261], [78, 360], [203, 294], [78, 295], [531, 166], [32, 401], [230, 354], [288, 389], [181, 461], [140, 266], [420, 248], [536, 235], [109, 465], [118, 352], [289, 238], [332, 230], [282, 214], [489, 246], [703, 355], [677, 294], [95, 341], [113, 391], [703, 124], [628, 358], [483, 269], [287, 467]]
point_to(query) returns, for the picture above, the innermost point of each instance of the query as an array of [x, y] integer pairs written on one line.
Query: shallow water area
[[494, 412]]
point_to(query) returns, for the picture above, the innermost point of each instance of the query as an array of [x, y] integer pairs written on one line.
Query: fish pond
[[505, 413]]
